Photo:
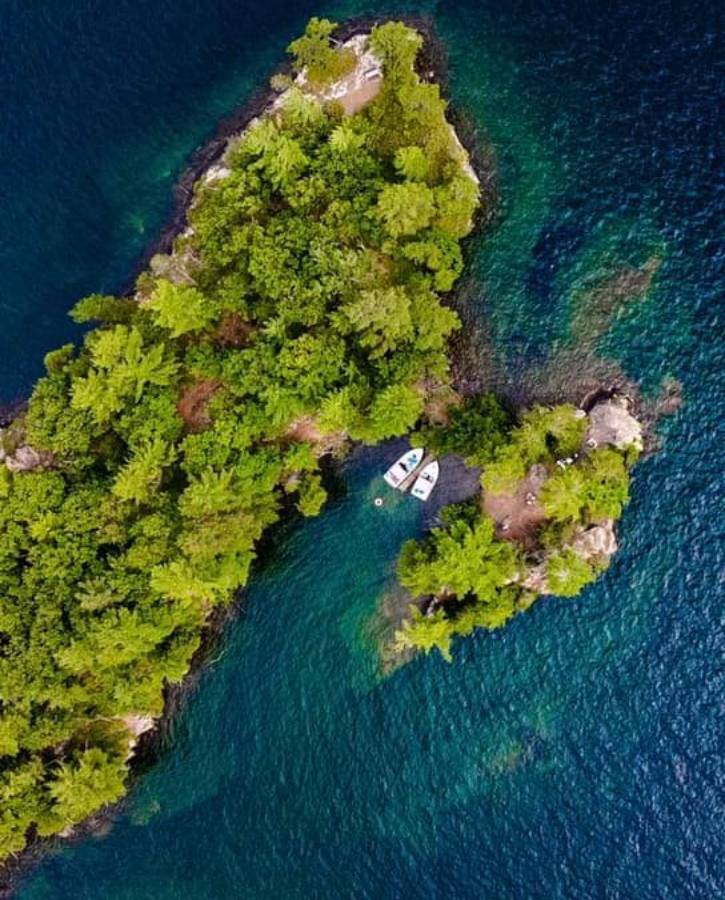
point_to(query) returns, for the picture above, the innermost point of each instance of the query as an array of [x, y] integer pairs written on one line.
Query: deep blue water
[[577, 753]]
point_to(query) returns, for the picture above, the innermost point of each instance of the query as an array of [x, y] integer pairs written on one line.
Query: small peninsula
[[298, 311]]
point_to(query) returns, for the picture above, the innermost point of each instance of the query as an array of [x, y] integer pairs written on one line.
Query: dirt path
[[518, 516]]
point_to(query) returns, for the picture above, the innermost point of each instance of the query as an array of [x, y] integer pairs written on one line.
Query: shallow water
[[575, 754]]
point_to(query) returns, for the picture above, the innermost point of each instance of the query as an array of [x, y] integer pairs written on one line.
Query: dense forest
[[543, 523], [298, 311]]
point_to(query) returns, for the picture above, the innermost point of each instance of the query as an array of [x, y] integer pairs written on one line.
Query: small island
[[553, 486], [298, 311]]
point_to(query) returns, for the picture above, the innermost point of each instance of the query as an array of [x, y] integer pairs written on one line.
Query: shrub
[[568, 573]]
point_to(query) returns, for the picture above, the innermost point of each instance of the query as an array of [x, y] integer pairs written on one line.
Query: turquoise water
[[577, 753]]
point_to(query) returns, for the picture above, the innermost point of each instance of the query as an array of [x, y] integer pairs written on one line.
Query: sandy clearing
[[518, 515]]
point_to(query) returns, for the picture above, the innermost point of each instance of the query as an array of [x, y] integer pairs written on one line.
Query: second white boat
[[426, 481]]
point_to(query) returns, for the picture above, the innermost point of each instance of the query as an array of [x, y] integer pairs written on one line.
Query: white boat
[[426, 481], [403, 467]]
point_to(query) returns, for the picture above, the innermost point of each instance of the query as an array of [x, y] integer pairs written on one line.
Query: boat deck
[[409, 480]]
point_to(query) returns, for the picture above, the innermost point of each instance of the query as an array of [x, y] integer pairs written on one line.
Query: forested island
[[298, 312], [553, 486]]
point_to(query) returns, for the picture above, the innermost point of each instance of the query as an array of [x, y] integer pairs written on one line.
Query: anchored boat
[[426, 481], [403, 468]]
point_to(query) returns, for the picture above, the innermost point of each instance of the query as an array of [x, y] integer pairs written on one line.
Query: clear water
[[576, 754]]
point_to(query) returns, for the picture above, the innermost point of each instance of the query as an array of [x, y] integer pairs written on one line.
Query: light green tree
[[426, 633], [397, 46], [140, 477], [412, 163], [284, 161], [314, 52], [406, 208], [393, 411], [568, 573], [344, 139], [502, 475], [179, 308], [382, 319], [564, 494], [312, 495], [92, 780]]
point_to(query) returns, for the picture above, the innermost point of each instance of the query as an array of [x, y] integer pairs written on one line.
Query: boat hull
[[426, 481], [403, 468]]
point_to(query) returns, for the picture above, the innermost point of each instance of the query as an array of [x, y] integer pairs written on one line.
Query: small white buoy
[[378, 501]]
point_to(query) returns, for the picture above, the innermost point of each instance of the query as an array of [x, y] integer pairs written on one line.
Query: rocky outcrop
[[612, 423], [27, 459], [596, 543], [536, 579], [360, 85], [137, 724]]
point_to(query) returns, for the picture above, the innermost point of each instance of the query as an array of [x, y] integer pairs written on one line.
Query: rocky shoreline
[[432, 65]]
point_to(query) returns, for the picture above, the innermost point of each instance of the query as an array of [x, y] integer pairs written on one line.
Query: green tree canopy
[[406, 208], [92, 780], [179, 309]]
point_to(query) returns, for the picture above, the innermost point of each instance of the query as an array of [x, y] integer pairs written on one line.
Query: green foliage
[[344, 139], [397, 47], [406, 208], [456, 203], [382, 317], [426, 633], [477, 428], [544, 436], [568, 573], [463, 559], [438, 252], [312, 496], [105, 309], [121, 368], [313, 51], [140, 477], [607, 484], [395, 410], [179, 308], [564, 494], [89, 782], [597, 489], [23, 802], [505, 472], [304, 291], [280, 82], [412, 164]]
